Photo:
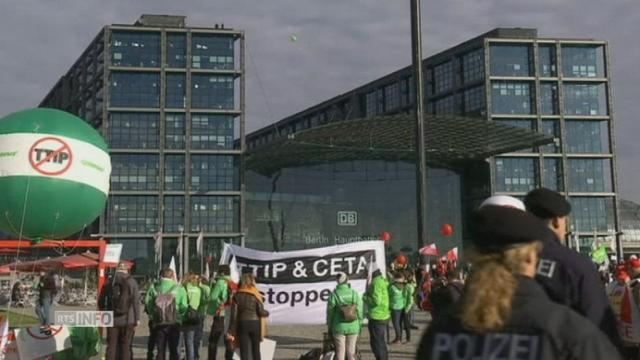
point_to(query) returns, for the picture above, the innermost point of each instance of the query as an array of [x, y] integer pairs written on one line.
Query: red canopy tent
[[86, 260]]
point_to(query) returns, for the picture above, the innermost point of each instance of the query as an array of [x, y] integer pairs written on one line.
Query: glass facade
[[516, 174], [512, 97], [174, 214], [212, 92], [213, 173], [585, 99], [176, 50], [552, 174], [176, 92], [589, 175], [511, 60], [212, 51], [214, 214], [174, 131], [174, 172], [587, 136], [212, 131], [589, 214], [583, 61], [443, 77], [549, 98], [135, 49], [134, 172], [133, 130], [132, 214], [547, 60], [473, 66], [135, 89]]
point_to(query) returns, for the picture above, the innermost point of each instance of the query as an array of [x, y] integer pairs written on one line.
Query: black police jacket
[[537, 329], [571, 279]]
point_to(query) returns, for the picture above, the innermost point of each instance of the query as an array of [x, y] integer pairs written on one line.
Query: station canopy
[[449, 140]]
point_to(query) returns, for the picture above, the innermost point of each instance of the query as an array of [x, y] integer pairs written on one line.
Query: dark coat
[[538, 329], [571, 279]]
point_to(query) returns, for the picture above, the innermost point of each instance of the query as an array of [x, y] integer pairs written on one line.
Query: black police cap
[[497, 228], [546, 204]]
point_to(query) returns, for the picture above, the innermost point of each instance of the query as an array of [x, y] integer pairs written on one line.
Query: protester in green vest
[[397, 303], [377, 300], [192, 319], [409, 289], [167, 304], [219, 300], [204, 305], [345, 315]]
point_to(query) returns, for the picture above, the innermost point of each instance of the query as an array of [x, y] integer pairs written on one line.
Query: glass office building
[[169, 100], [558, 87]]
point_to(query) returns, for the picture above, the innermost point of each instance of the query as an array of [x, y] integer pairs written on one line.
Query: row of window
[[582, 136], [578, 61], [518, 97], [142, 131], [522, 174], [139, 214], [140, 172], [142, 49], [142, 89]]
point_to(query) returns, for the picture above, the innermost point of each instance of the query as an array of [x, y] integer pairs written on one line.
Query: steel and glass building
[[169, 100], [509, 76]]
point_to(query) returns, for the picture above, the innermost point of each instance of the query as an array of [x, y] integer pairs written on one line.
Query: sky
[[340, 45]]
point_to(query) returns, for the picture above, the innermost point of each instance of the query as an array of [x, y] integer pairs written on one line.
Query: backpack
[[165, 312], [232, 288], [119, 296], [192, 316], [349, 312]]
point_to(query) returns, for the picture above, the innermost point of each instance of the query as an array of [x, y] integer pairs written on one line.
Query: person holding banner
[[248, 319], [377, 300], [503, 312], [344, 318]]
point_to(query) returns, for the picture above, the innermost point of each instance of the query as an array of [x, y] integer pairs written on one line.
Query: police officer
[[568, 277], [503, 312]]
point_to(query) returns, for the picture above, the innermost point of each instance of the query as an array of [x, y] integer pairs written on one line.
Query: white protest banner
[[297, 284], [267, 350], [112, 253], [34, 342]]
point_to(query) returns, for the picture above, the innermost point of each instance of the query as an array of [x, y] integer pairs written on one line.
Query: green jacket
[[344, 295], [219, 296], [194, 296], [204, 303], [410, 290], [163, 286], [377, 299], [397, 300]]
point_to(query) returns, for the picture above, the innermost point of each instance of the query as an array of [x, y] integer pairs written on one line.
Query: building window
[[176, 91], [443, 79], [589, 175], [212, 51], [176, 50], [174, 131], [510, 60], [404, 92], [448, 105], [370, 102], [510, 97], [133, 130], [473, 66], [174, 172], [173, 213], [547, 60], [135, 48], [585, 99], [552, 174], [549, 98], [474, 100], [134, 172], [589, 214], [552, 128], [526, 124], [212, 92], [516, 174], [132, 214], [134, 90], [583, 61], [214, 214], [212, 131], [391, 97], [213, 173], [587, 136]]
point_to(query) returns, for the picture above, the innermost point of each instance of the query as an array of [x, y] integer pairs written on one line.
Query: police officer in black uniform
[[568, 277], [504, 313]]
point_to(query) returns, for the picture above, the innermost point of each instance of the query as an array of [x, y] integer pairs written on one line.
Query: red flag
[[452, 254], [430, 249]]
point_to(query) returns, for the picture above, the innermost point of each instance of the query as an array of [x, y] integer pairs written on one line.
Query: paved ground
[[294, 340]]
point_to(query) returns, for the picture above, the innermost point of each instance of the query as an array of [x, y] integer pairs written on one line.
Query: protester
[[377, 300], [248, 318], [122, 296], [48, 288], [397, 303], [204, 304], [410, 294], [167, 302], [152, 340], [515, 319], [192, 319], [568, 277], [344, 318], [219, 301]]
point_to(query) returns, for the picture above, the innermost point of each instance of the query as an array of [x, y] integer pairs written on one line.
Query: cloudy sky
[[341, 44]]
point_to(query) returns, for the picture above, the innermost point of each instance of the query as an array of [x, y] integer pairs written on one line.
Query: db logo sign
[[50, 156], [347, 218]]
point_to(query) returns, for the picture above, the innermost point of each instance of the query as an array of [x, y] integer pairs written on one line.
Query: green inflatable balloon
[[54, 174]]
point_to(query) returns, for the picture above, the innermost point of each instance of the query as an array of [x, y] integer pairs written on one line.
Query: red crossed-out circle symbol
[[53, 331], [50, 156]]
